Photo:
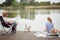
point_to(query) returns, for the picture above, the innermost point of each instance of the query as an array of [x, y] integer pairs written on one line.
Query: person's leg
[[14, 27]]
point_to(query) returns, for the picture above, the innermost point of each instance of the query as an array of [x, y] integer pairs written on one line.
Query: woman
[[49, 25], [9, 22]]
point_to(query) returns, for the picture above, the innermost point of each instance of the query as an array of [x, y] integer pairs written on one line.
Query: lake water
[[36, 18]]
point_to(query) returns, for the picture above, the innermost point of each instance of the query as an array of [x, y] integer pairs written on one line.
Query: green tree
[[15, 4], [32, 2], [8, 2], [57, 3], [53, 3], [36, 4], [45, 3]]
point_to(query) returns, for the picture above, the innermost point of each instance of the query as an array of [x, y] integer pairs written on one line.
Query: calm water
[[36, 18]]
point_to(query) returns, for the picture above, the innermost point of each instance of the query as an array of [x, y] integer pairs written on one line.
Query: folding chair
[[4, 25]]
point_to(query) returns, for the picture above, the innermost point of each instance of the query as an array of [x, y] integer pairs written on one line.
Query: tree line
[[13, 3]]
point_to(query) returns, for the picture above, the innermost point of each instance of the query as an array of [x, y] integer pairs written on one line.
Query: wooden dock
[[23, 36]]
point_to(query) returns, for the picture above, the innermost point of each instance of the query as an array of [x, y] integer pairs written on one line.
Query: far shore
[[43, 7], [32, 7]]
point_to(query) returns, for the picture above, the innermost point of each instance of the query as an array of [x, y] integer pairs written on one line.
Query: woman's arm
[[11, 21]]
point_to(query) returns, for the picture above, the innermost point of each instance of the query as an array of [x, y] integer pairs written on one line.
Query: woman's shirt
[[49, 27], [6, 19]]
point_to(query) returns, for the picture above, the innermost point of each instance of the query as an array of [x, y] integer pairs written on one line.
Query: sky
[[49, 0], [1, 1], [35, 0]]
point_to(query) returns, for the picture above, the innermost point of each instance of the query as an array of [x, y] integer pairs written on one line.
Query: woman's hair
[[4, 14], [49, 19]]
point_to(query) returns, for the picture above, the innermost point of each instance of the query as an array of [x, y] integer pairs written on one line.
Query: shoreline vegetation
[[32, 7], [44, 7], [12, 4]]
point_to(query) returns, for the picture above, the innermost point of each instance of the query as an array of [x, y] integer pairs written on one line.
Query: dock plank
[[23, 36]]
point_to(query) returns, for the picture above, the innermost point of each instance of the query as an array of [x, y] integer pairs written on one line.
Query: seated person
[[11, 22], [50, 27]]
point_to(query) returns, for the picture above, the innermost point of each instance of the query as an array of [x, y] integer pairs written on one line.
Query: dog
[[27, 28]]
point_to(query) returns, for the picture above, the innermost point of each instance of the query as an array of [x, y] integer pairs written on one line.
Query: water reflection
[[42, 11], [27, 14]]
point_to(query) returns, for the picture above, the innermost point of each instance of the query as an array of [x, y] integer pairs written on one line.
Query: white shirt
[[6, 19]]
